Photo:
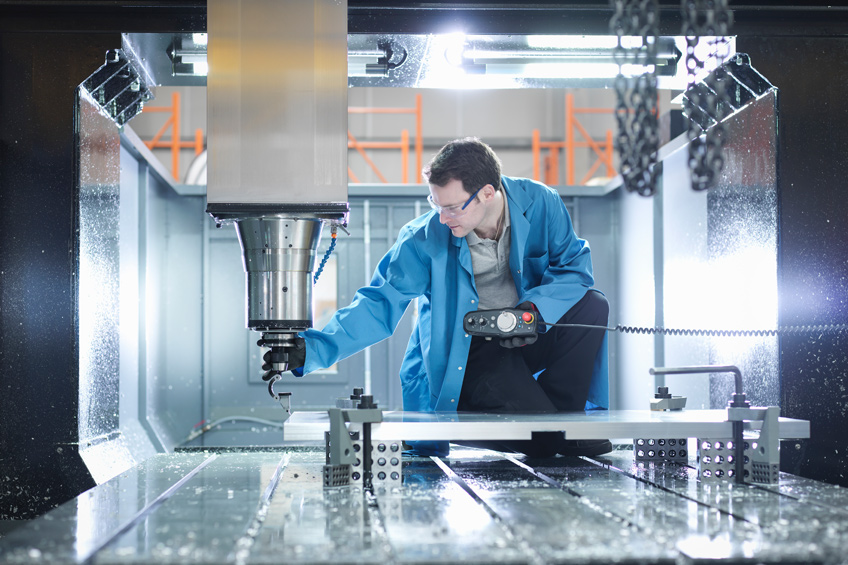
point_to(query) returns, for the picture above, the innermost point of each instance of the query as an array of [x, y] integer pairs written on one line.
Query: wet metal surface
[[475, 506]]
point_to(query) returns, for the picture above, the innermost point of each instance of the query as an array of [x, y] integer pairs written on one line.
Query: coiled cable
[[782, 330], [326, 255]]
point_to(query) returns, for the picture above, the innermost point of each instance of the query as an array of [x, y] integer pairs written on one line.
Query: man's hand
[[511, 342], [521, 341], [295, 357]]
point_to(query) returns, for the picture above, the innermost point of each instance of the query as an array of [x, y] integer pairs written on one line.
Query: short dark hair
[[468, 160]]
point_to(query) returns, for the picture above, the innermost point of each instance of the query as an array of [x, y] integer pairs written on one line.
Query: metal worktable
[[475, 506]]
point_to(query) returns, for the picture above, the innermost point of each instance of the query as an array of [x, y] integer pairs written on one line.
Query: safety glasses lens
[[450, 211]]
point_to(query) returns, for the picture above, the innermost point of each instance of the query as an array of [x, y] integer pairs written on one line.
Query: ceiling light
[[201, 68]]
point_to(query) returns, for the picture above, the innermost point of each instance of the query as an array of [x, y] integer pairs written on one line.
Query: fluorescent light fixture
[[582, 42], [189, 55], [201, 68], [568, 70], [572, 41], [192, 61], [550, 57], [365, 63], [357, 69], [454, 47], [457, 60], [483, 56], [191, 58]]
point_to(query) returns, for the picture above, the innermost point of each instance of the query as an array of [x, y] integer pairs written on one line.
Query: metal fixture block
[[717, 459], [386, 465], [649, 450]]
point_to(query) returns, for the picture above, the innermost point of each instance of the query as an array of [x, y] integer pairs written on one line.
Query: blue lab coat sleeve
[[375, 310]]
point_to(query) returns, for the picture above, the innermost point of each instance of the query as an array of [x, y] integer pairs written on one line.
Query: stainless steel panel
[[599, 424], [676, 521], [810, 491], [742, 215], [76, 530], [559, 521], [99, 279], [719, 261], [748, 521], [277, 101], [99, 276], [171, 309], [307, 524], [436, 521], [110, 437], [205, 519]]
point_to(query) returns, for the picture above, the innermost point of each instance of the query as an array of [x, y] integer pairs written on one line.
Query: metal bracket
[[118, 88], [673, 403], [764, 453], [746, 458]]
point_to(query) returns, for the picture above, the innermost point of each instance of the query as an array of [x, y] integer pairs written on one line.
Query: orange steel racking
[[175, 144], [603, 149], [403, 144]]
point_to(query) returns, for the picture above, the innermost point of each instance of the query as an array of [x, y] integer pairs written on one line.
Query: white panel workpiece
[[599, 424]]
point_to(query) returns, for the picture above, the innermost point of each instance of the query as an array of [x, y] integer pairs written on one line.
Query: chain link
[[706, 146], [636, 114]]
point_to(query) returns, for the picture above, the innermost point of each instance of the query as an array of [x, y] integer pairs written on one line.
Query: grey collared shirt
[[490, 261]]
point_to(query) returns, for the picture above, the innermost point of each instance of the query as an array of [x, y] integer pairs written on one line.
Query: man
[[490, 242]]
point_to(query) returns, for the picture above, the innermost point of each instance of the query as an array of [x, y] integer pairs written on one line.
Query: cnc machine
[[113, 267]]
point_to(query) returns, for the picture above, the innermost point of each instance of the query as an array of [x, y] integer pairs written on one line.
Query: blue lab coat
[[551, 266]]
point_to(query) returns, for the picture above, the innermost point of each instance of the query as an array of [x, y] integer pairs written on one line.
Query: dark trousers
[[501, 380]]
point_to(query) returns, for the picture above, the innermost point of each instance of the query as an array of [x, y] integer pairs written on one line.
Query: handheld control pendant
[[501, 323]]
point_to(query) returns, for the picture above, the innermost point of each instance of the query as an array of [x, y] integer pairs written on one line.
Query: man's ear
[[488, 192]]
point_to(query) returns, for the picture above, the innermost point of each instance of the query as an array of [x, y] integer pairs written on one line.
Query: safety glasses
[[454, 211]]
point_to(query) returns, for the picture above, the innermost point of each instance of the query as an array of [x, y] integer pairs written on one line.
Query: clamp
[[663, 400]]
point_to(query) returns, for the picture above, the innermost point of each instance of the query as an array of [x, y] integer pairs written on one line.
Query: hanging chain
[[636, 115], [706, 152]]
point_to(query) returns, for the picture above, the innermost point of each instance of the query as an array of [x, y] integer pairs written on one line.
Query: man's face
[[450, 198]]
